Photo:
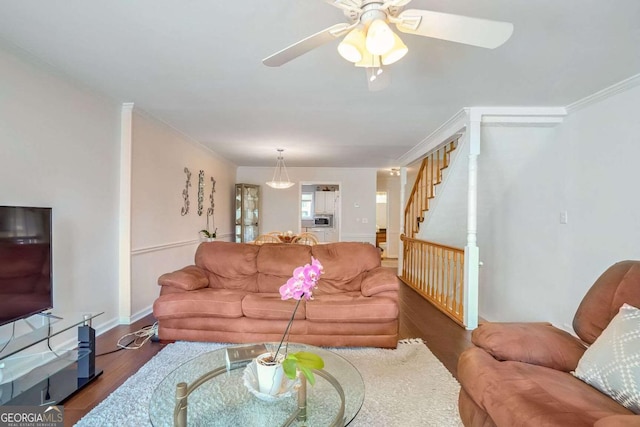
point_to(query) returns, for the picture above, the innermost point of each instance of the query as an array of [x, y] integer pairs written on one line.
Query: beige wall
[[162, 239], [281, 210]]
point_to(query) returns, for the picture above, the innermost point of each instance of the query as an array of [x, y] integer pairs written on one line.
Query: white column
[[403, 184], [471, 251], [124, 246]]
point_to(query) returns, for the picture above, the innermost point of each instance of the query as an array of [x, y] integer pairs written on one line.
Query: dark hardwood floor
[[418, 319]]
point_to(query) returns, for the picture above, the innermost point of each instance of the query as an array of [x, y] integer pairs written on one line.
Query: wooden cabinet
[[325, 235], [324, 202], [331, 235]]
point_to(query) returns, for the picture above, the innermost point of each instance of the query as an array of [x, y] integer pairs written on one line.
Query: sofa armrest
[[188, 278], [534, 343], [618, 421], [378, 280]]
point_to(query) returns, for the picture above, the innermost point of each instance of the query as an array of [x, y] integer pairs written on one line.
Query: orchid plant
[[300, 286]]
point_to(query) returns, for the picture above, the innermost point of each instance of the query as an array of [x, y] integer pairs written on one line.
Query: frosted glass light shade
[[280, 185], [280, 178], [352, 46], [380, 38], [397, 52], [369, 60]]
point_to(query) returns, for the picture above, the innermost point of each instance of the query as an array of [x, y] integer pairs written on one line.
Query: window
[[307, 205]]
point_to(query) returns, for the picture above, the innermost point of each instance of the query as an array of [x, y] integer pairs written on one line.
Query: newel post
[[471, 251]]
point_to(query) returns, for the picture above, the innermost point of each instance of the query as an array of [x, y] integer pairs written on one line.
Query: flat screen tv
[[25, 262]]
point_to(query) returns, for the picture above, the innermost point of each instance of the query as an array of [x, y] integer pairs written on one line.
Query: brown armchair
[[520, 374]]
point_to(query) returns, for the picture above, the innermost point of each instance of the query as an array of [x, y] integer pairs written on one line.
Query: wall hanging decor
[[212, 204], [185, 193], [200, 192]]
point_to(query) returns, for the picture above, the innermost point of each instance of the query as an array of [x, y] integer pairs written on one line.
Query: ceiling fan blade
[[378, 78], [456, 28], [350, 5], [394, 3], [305, 45]]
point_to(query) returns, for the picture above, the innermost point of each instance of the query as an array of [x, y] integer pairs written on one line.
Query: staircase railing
[[437, 273], [429, 175]]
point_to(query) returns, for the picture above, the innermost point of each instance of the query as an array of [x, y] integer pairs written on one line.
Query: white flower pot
[[270, 375]]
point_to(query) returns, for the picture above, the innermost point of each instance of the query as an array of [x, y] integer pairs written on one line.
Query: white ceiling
[[197, 66]]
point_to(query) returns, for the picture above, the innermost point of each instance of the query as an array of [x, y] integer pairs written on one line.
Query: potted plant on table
[[208, 236], [300, 286]]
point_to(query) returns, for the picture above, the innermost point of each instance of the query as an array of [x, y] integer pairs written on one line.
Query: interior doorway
[[388, 212], [382, 221]]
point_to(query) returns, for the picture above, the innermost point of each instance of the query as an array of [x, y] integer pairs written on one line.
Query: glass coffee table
[[218, 397]]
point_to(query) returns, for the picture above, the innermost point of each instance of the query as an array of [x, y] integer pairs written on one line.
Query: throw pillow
[[534, 343], [612, 363]]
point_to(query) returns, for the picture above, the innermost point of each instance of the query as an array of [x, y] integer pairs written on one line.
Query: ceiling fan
[[370, 43]]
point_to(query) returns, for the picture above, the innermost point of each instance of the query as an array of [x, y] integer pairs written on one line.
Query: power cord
[[13, 335], [140, 338]]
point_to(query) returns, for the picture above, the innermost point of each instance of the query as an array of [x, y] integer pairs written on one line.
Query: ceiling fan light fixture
[[278, 182], [352, 46], [368, 60], [379, 38], [397, 52]]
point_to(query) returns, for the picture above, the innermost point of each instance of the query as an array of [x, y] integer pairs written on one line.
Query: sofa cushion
[[188, 278], [344, 265], [521, 394], [205, 302], [229, 265], [379, 280], [351, 307], [612, 363], [537, 343], [275, 264], [271, 306]]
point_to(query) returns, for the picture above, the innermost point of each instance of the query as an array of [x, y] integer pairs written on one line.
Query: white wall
[[162, 239], [280, 209], [446, 221], [536, 268], [59, 146]]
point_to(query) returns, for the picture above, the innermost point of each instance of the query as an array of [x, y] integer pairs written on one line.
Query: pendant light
[[278, 182]]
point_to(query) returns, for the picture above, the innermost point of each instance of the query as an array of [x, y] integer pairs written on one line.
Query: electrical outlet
[[564, 217], [365, 220]]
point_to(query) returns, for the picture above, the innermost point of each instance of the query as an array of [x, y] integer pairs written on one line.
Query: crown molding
[[607, 92], [181, 134], [518, 116], [448, 129]]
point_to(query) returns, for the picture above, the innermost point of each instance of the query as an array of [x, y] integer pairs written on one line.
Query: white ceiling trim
[[447, 130], [607, 92]]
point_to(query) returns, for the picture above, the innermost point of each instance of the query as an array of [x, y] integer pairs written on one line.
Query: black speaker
[[86, 351]]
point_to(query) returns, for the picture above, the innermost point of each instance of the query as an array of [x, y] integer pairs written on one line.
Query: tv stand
[[50, 315], [31, 373]]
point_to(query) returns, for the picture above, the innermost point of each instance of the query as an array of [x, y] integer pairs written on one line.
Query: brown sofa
[[519, 374], [231, 295]]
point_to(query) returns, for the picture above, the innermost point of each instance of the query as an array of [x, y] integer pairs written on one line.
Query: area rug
[[407, 386]]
